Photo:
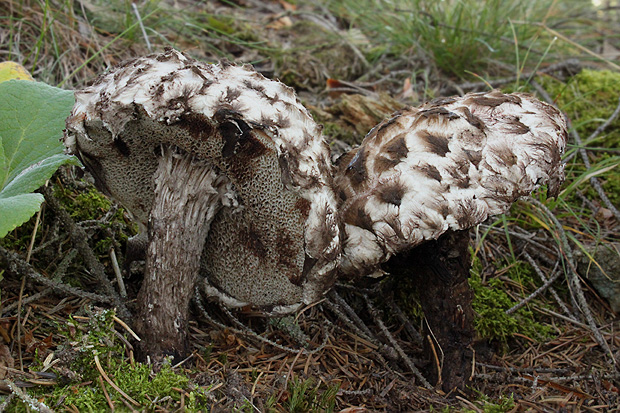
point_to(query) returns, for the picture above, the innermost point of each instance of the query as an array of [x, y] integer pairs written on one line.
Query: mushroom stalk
[[186, 200], [440, 271]]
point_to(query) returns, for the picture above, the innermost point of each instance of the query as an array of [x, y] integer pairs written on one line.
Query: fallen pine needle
[[111, 383], [126, 327]]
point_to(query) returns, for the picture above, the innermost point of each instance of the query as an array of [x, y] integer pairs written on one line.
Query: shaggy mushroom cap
[[447, 165], [275, 241]]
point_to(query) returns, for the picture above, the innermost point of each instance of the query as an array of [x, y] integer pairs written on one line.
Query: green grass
[[456, 36]]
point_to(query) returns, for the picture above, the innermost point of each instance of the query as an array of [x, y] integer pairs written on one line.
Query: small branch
[[605, 124], [117, 272], [570, 65], [34, 234], [25, 301], [146, 38], [19, 266], [105, 393], [547, 284], [373, 311], [558, 299], [352, 314], [594, 180], [415, 335], [582, 150], [28, 400], [246, 332]]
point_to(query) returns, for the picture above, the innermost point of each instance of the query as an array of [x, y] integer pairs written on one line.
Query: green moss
[[486, 405], [491, 302], [152, 391], [92, 205]]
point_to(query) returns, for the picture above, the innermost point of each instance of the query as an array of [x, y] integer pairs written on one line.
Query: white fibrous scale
[[445, 166]]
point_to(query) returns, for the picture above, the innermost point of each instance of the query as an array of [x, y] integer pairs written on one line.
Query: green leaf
[[18, 209], [32, 117]]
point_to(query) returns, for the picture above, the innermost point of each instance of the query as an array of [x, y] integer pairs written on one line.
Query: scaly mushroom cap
[[445, 166], [276, 242]]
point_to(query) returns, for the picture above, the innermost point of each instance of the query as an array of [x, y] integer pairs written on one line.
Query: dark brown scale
[[232, 94], [506, 155], [397, 147], [439, 111], [473, 156], [197, 72], [383, 164], [159, 91], [495, 100], [355, 215], [356, 170], [434, 143], [385, 124], [260, 89], [282, 121], [472, 119], [442, 101], [273, 100], [515, 126], [392, 194], [431, 172]]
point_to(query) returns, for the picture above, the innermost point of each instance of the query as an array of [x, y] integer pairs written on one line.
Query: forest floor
[[545, 276]]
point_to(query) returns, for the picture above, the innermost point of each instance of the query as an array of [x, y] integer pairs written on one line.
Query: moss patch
[[80, 385], [491, 300]]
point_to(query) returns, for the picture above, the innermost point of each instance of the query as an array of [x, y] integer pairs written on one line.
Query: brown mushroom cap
[[445, 166], [276, 241]]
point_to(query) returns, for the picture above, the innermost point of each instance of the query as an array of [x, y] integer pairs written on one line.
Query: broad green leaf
[[32, 117], [16, 210]]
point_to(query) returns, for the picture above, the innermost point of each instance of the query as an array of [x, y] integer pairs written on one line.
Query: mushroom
[[228, 175], [419, 180]]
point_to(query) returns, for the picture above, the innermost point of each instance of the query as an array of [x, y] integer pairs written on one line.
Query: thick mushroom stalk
[[230, 175], [427, 174], [187, 196]]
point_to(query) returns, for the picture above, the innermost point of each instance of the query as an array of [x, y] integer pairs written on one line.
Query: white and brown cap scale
[[447, 165]]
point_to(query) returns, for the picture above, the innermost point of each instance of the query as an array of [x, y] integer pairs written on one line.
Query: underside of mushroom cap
[[448, 165], [252, 130]]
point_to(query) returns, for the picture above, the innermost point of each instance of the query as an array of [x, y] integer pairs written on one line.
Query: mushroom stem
[[186, 200], [440, 270]]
